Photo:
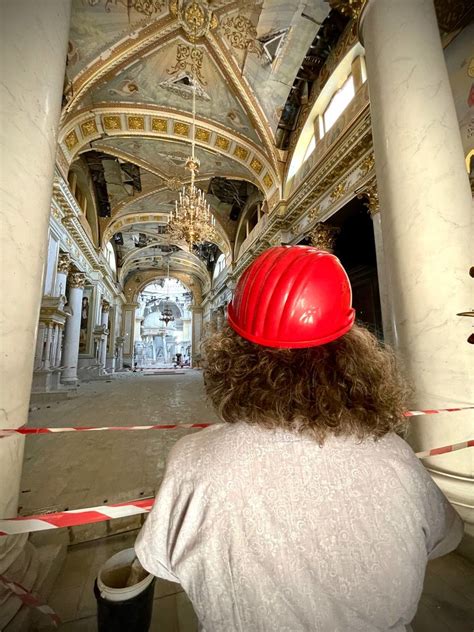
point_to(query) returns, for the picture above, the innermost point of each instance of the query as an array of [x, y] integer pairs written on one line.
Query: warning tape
[[102, 513], [28, 430], [445, 449], [74, 517], [30, 599]]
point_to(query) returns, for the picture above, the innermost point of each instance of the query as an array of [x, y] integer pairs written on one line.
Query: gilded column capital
[[371, 196], [64, 263], [77, 280], [323, 236], [105, 307]]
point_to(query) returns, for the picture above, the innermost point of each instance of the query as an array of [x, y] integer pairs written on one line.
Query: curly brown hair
[[347, 387]]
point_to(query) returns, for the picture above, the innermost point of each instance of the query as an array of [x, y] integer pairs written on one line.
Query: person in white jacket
[[305, 510]]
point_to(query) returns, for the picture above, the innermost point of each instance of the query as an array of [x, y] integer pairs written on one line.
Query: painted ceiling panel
[[98, 24], [163, 79]]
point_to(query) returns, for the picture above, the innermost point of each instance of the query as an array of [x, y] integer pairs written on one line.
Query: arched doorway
[[163, 329]]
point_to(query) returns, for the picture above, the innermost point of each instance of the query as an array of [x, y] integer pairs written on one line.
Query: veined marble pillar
[[426, 219], [196, 335], [73, 328], [64, 265], [33, 41]]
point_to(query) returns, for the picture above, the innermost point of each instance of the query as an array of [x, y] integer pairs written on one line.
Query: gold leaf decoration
[[88, 128], [222, 143], [268, 181], [256, 165], [136, 122], [241, 152], [71, 140], [186, 57], [181, 129], [202, 134], [159, 124], [112, 122], [241, 33]]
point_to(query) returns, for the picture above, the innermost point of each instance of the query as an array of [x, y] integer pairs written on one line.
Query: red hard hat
[[292, 297]]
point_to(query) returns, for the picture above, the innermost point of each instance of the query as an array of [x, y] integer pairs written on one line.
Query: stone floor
[[85, 469]]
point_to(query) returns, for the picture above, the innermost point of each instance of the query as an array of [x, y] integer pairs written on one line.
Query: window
[[311, 147], [220, 265], [338, 104], [109, 254]]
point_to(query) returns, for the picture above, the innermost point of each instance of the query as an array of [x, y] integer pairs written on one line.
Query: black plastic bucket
[[122, 608]]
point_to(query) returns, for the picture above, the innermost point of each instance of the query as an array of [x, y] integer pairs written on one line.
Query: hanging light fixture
[[166, 311], [191, 220]]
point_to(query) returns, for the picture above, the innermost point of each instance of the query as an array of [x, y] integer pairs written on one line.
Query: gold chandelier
[[191, 220]]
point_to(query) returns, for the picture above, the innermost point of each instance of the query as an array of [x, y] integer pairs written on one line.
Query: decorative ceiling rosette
[[194, 17]]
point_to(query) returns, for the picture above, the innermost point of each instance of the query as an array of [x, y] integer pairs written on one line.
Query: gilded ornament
[[338, 192], [174, 183], [371, 196], [112, 122], [77, 280], [323, 236], [136, 122], [181, 129], [315, 212], [202, 134], [71, 140], [367, 164], [188, 59], [256, 165], [88, 128], [145, 7], [241, 33], [241, 152], [268, 181], [222, 143], [194, 16], [64, 263], [159, 124], [105, 307]]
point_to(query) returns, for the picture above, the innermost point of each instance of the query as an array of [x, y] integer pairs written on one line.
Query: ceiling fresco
[[165, 78], [98, 24], [129, 86]]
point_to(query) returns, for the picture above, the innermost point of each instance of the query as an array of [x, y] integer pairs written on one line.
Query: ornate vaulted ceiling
[[127, 109]]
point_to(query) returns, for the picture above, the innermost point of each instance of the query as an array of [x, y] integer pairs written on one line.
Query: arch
[[114, 120], [138, 281]]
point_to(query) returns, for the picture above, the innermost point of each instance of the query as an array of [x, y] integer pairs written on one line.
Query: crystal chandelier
[[191, 221], [166, 312]]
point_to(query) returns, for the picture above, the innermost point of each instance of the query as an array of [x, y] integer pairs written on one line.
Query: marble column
[[64, 265], [196, 335], [105, 324], [73, 329], [426, 222], [33, 46]]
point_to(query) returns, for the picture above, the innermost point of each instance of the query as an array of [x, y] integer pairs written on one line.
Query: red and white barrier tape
[[28, 430], [446, 448], [74, 517], [30, 599], [102, 513]]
